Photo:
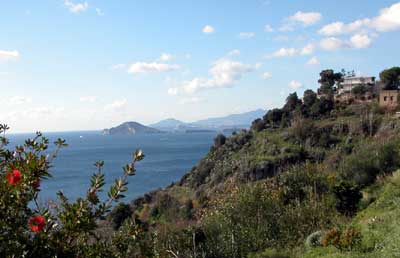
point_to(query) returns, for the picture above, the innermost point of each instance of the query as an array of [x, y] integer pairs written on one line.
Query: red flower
[[14, 177], [37, 223]]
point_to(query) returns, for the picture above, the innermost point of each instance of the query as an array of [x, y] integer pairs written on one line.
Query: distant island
[[130, 128]]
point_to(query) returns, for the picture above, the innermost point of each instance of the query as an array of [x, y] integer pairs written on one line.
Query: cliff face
[[130, 128]]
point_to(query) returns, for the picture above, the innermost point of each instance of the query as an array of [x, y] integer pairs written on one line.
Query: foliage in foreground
[[67, 229]]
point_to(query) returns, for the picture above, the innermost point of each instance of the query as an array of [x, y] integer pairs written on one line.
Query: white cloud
[[8, 55], [360, 41], [300, 18], [313, 61], [143, 67], [173, 91], [387, 20], [266, 75], [19, 100], [90, 99], [117, 105], [306, 19], [357, 41], [340, 28], [76, 7], [286, 52], [208, 29], [295, 85], [234, 52], [282, 52], [332, 43], [286, 27], [268, 28], [191, 100], [166, 57], [223, 73], [307, 50], [99, 12], [332, 29], [246, 35]]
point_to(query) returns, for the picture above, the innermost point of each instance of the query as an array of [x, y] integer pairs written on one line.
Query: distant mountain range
[[225, 124], [235, 121]]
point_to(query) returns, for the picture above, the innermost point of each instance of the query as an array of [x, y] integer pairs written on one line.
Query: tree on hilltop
[[328, 79], [391, 78]]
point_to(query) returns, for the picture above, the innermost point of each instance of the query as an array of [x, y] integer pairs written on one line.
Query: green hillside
[[379, 225], [263, 192]]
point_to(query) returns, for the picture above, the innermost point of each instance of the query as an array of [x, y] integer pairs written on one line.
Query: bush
[[314, 239], [219, 140], [332, 237], [344, 240], [348, 196], [258, 125], [69, 229], [370, 160], [119, 214]]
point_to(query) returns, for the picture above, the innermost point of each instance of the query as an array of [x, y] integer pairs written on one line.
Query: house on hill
[[356, 89], [389, 98], [361, 89], [350, 82]]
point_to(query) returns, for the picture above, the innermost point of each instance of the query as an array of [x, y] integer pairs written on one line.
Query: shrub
[[344, 240], [274, 116], [258, 125], [348, 196], [219, 140], [302, 128], [370, 160], [69, 229], [350, 239], [332, 237], [119, 214], [314, 239]]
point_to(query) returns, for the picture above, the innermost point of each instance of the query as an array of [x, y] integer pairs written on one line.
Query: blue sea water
[[168, 158]]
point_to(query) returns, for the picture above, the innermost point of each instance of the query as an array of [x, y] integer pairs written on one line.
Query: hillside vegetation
[[379, 225], [301, 183]]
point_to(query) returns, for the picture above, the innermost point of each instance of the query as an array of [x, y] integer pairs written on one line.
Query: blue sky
[[82, 65]]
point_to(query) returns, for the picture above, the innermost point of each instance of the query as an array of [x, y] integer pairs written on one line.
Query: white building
[[350, 82]]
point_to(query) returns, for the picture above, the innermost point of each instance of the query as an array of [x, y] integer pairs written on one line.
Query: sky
[[87, 65]]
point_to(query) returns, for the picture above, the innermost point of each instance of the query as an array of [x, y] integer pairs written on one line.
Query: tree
[[274, 116], [326, 105], [258, 125], [219, 140], [391, 78], [359, 90], [321, 107], [328, 79], [309, 98], [292, 102]]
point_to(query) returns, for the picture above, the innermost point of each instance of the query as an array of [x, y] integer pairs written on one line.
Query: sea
[[168, 157]]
